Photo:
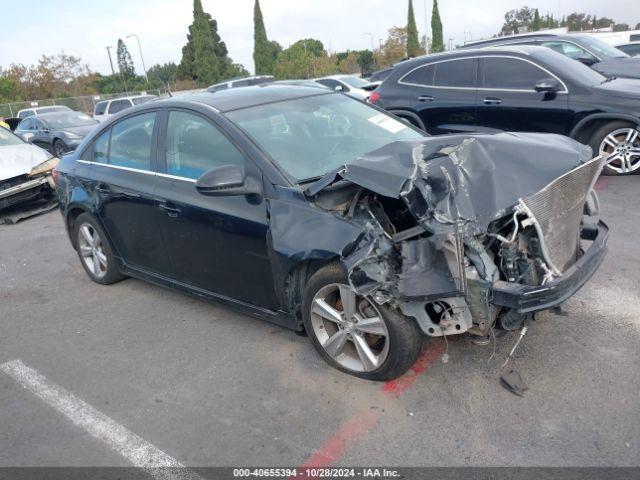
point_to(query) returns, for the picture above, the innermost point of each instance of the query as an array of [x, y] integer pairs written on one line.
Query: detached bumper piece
[[527, 298]]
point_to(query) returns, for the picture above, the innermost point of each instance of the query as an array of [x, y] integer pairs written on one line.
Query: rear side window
[[26, 124], [118, 106], [101, 108], [100, 151], [510, 74], [195, 145], [131, 142], [421, 76], [25, 113]]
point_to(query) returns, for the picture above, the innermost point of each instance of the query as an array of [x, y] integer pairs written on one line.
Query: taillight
[[374, 97], [54, 175]]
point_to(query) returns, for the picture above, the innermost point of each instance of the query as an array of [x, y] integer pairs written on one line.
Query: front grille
[[558, 209], [13, 182]]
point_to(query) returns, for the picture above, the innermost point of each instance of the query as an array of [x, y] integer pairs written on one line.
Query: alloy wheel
[[350, 328], [622, 147], [91, 250]]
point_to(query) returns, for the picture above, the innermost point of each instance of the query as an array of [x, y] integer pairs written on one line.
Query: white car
[[30, 112], [107, 108], [25, 170], [352, 85], [242, 82]]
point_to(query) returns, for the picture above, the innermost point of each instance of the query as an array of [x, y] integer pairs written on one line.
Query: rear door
[[444, 94], [217, 244], [508, 100], [41, 134], [123, 171]]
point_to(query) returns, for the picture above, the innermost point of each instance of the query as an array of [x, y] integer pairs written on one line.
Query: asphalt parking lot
[[208, 386]]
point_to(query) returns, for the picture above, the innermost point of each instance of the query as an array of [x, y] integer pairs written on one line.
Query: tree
[[413, 43], [517, 20], [536, 24], [603, 22], [366, 61], [163, 75], [637, 26], [437, 44], [264, 51], [204, 33], [393, 49], [621, 27], [125, 64], [349, 64], [306, 58], [577, 22]]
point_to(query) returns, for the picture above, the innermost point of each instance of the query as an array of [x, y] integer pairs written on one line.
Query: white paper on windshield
[[388, 123]]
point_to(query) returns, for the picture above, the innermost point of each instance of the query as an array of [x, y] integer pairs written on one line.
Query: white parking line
[[132, 447]]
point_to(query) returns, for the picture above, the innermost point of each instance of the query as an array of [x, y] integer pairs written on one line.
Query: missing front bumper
[[527, 299]]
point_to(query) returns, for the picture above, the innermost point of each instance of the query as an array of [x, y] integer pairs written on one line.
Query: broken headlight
[[44, 167]]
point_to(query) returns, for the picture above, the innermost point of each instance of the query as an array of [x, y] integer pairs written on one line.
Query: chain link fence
[[83, 103]]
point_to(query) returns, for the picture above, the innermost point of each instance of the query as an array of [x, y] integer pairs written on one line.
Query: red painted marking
[[350, 431], [602, 183], [426, 358], [334, 448]]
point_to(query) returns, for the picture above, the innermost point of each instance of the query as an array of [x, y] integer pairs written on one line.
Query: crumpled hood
[[16, 160], [467, 180], [627, 67]]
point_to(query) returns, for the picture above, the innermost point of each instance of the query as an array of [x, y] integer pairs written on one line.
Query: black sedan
[[523, 88], [318, 212], [58, 132]]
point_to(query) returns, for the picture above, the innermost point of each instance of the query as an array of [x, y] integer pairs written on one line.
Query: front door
[[217, 244], [507, 99], [124, 184]]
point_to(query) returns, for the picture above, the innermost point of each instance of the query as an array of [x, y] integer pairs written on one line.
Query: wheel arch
[[73, 211], [409, 116], [585, 128]]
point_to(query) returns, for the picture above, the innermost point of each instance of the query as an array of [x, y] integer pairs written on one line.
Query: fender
[[603, 116]]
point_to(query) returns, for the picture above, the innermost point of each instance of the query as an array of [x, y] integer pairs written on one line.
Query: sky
[[85, 28]]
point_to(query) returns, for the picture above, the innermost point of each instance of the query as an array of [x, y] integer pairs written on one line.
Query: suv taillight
[[374, 97]]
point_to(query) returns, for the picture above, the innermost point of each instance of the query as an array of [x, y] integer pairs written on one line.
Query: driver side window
[[194, 145]]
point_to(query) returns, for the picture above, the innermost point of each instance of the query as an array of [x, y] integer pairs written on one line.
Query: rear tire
[[611, 140], [59, 148], [377, 343], [94, 251]]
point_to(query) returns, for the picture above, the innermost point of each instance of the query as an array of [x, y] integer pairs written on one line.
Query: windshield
[[310, 136], [572, 69], [42, 110], [68, 120], [8, 139], [355, 82], [602, 49]]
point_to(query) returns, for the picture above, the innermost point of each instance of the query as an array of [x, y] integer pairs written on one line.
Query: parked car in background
[[350, 84], [518, 88], [351, 224], [242, 82], [58, 132], [25, 171], [586, 49], [107, 108], [632, 48], [28, 112], [378, 77]]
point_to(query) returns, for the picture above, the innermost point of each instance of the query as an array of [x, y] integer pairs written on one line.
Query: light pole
[[113, 72], [144, 68]]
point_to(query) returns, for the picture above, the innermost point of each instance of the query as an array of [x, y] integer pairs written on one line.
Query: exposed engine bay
[[447, 224]]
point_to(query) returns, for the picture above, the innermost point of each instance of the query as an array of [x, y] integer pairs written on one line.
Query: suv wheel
[[353, 333], [95, 252], [620, 141], [59, 148]]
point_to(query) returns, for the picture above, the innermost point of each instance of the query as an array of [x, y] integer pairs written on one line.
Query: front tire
[[620, 142], [94, 251], [353, 333], [59, 148]]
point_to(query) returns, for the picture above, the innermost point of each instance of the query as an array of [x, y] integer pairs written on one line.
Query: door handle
[[170, 210], [492, 101], [425, 98]]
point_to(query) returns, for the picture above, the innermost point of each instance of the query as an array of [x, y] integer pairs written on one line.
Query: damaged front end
[[465, 231]]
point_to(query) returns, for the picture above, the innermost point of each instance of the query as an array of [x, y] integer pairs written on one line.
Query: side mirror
[[227, 180], [585, 60], [338, 88], [548, 85]]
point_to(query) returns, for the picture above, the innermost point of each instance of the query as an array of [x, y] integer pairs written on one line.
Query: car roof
[[237, 98], [465, 52], [46, 116]]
